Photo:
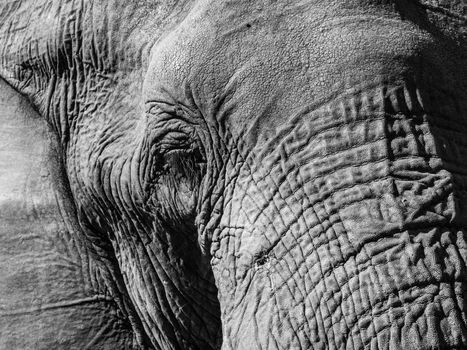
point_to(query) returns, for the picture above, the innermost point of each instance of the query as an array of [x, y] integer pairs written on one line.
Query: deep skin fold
[[240, 77]]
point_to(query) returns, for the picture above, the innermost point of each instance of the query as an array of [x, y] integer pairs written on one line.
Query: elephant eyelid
[[189, 147], [171, 110], [175, 129]]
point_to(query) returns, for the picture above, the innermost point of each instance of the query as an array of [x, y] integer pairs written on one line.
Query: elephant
[[233, 174]]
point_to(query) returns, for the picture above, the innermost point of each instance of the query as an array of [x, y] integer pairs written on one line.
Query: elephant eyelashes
[[184, 165], [175, 188]]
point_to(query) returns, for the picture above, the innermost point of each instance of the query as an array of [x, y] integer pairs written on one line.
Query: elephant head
[[248, 174]]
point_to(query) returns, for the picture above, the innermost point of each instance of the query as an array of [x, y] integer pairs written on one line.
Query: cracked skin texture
[[238, 174]]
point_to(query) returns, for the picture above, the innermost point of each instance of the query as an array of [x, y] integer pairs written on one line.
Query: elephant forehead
[[249, 67]]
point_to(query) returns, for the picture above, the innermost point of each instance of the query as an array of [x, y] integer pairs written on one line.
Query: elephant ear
[[52, 293]]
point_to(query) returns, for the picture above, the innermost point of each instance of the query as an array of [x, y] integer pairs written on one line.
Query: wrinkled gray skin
[[233, 174]]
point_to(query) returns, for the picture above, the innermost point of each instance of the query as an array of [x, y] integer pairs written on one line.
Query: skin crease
[[256, 175]]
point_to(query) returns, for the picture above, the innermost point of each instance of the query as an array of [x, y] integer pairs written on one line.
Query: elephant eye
[[186, 163], [180, 162], [173, 192]]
